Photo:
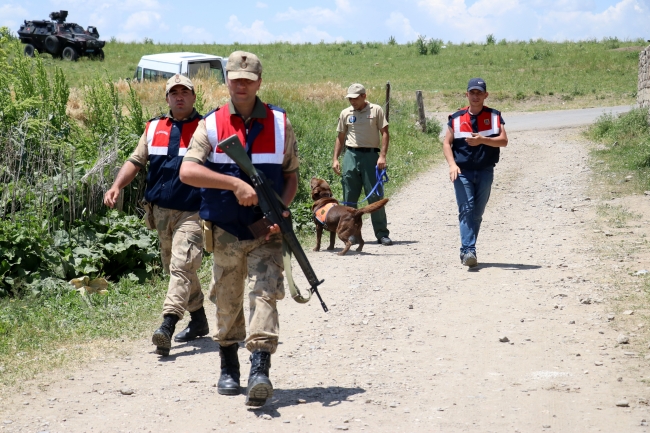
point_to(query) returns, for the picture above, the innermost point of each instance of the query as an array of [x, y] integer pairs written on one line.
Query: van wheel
[[29, 50], [70, 54], [52, 45]]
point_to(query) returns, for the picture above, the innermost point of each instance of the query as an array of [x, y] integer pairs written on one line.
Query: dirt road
[[412, 339]]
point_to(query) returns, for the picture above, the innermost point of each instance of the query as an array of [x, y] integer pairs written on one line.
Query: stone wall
[[643, 91]]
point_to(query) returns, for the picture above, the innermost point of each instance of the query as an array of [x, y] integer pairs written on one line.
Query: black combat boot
[[259, 385], [198, 327], [229, 379], [162, 338]]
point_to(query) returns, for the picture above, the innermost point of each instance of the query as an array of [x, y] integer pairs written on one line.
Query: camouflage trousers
[[260, 262], [181, 248]]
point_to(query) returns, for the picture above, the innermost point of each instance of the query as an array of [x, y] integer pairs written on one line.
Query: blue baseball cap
[[478, 84]]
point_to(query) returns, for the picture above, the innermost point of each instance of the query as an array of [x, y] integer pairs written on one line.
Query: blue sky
[[340, 20]]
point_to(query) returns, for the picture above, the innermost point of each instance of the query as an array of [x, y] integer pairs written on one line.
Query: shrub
[[421, 45], [611, 43], [490, 39], [434, 46]]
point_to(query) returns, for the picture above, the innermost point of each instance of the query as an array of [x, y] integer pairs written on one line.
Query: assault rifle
[[272, 207]]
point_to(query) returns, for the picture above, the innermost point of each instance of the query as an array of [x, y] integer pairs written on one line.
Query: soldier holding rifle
[[228, 208]]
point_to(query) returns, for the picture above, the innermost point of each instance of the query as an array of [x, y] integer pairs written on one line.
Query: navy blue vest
[[488, 124], [220, 206], [167, 142]]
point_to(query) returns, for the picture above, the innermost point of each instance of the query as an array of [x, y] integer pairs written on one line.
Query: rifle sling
[[293, 289]]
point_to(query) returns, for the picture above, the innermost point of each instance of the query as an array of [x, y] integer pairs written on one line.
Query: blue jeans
[[472, 189]]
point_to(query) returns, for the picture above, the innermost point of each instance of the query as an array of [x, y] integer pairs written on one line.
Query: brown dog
[[340, 220]]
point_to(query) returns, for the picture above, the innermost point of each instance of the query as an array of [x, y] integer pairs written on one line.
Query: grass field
[[520, 75]]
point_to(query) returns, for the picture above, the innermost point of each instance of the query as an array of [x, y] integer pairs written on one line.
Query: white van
[[166, 65]]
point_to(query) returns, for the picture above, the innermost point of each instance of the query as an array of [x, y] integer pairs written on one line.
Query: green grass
[[59, 327], [626, 150], [516, 72], [33, 330], [615, 216]]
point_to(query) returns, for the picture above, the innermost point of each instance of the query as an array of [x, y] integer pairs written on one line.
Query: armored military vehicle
[[60, 39]]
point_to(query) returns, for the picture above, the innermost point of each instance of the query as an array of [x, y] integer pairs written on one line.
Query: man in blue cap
[[471, 146]]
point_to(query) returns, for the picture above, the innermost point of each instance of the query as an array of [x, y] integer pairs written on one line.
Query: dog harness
[[321, 213]]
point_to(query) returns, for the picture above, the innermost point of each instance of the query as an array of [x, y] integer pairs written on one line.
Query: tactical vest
[[167, 142], [487, 124], [264, 143]]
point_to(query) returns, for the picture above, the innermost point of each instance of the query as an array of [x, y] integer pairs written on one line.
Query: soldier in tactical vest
[[228, 206], [172, 209]]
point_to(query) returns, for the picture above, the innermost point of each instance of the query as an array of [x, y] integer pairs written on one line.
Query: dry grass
[[215, 94]]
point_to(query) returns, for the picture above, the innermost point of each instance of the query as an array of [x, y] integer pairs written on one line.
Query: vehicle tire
[[52, 45], [99, 55], [29, 50], [70, 54]]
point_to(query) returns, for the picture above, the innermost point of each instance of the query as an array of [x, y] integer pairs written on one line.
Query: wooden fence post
[[387, 101], [423, 119]]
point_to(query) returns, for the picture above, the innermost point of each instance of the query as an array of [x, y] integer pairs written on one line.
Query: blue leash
[[382, 178]]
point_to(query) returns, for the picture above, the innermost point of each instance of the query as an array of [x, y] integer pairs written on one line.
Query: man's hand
[[474, 140], [381, 163], [111, 196], [454, 171], [336, 167], [276, 228], [246, 195]]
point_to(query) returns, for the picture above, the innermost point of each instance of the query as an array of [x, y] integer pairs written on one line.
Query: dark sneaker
[[469, 259], [385, 240]]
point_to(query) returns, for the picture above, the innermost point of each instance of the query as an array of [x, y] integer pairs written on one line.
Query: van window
[[138, 73], [150, 74], [217, 73], [212, 69]]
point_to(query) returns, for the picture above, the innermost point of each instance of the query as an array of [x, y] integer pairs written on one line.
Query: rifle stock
[[272, 208]]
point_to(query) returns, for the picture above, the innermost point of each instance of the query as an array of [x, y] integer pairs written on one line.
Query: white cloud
[[401, 25], [309, 34], [12, 16], [626, 19], [143, 20], [531, 19], [466, 17], [128, 37], [261, 5], [561, 5], [196, 34], [256, 33], [343, 5], [313, 15], [485, 8]]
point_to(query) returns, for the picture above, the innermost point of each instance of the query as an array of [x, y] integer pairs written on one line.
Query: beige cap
[[178, 80], [243, 65], [356, 90]]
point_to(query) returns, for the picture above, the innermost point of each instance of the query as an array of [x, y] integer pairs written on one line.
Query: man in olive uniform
[[172, 209], [359, 128], [228, 205]]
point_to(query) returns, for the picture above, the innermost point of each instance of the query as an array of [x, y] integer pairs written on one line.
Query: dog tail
[[372, 207]]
